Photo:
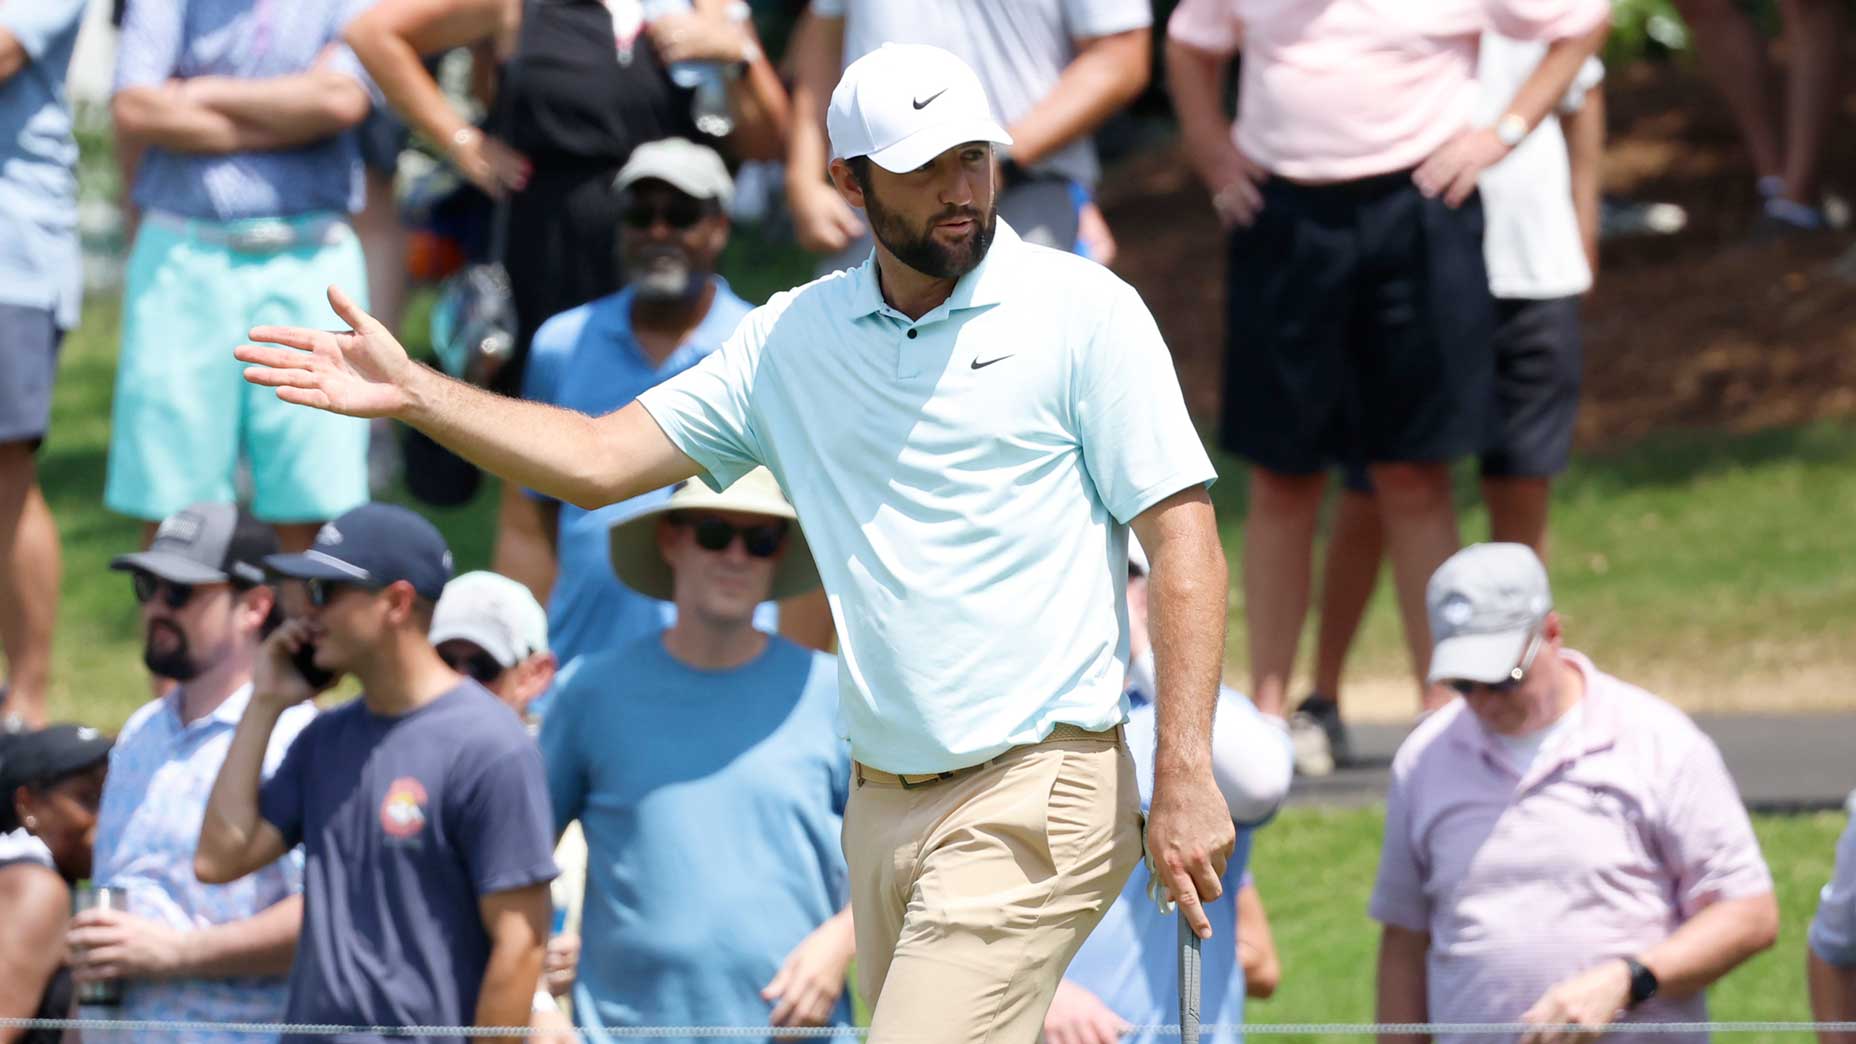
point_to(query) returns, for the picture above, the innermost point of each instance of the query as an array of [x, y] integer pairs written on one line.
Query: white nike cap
[[904, 104]]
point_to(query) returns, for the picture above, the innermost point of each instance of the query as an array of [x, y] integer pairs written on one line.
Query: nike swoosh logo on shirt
[[982, 365], [922, 103]]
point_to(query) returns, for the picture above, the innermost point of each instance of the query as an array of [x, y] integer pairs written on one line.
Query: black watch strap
[[1643, 982]]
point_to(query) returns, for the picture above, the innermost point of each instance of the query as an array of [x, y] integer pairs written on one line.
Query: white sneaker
[[1313, 757]]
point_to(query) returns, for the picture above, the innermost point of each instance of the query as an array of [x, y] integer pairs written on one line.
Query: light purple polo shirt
[[1612, 839]]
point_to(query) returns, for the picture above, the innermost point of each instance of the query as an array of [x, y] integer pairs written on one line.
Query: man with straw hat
[[703, 761]]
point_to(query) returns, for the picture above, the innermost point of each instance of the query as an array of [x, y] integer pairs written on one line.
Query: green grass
[[1315, 870], [1717, 553]]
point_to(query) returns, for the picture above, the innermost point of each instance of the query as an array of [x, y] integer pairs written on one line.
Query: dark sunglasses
[[681, 213], [322, 592], [713, 534], [479, 666], [1507, 685], [148, 586]]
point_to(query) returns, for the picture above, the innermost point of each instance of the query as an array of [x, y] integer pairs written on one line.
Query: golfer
[[966, 424]]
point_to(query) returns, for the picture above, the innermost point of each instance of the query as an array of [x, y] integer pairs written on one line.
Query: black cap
[[205, 544], [375, 544], [33, 759]]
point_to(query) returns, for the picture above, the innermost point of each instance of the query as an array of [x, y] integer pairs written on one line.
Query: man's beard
[[176, 661], [921, 251], [661, 275]]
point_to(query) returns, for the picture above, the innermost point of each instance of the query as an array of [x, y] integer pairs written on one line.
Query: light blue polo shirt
[[965, 482], [588, 359], [41, 265]]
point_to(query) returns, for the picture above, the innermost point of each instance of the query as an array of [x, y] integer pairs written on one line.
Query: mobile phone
[[304, 660]]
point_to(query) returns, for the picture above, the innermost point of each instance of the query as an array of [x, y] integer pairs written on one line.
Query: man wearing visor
[[1561, 848]]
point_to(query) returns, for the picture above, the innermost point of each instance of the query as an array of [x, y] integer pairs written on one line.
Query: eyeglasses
[[479, 666], [679, 212], [148, 586], [322, 592], [1507, 685], [713, 534]]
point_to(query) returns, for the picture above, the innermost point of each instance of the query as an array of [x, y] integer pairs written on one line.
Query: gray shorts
[[29, 340]]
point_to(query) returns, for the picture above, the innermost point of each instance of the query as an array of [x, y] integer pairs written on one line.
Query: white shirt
[[964, 482], [20, 846], [1530, 241], [1019, 48]]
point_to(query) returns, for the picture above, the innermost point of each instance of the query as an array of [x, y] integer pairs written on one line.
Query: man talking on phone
[[421, 804]]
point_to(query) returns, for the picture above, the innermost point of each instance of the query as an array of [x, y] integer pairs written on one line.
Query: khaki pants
[[971, 894]]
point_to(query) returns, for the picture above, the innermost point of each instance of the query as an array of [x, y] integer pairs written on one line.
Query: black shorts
[[1357, 328], [1538, 357]]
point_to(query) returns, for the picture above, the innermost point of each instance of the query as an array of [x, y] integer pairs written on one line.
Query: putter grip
[[1189, 984]]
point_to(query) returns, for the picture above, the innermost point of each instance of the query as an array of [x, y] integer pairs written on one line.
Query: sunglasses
[[1464, 687], [679, 213], [149, 586], [478, 666], [322, 592], [713, 534]]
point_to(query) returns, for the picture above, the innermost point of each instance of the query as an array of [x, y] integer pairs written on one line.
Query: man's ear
[[846, 183]]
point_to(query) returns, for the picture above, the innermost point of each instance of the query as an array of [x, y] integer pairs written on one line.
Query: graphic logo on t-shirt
[[402, 814]]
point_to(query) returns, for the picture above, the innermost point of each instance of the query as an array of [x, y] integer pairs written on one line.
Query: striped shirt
[[255, 39]]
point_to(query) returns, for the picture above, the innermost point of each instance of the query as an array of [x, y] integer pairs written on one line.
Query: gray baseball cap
[[205, 544], [692, 169], [1485, 603]]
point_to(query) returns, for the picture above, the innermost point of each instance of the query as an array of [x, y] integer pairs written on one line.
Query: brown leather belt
[[915, 780]]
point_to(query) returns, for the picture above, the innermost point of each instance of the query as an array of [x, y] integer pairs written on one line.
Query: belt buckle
[[938, 777], [262, 238]]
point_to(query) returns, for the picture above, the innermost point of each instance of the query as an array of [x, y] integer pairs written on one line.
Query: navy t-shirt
[[406, 822]]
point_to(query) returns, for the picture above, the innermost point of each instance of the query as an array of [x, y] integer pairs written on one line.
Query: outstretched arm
[[364, 372]]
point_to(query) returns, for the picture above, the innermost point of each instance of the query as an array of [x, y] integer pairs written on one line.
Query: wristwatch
[[1643, 982], [1511, 129]]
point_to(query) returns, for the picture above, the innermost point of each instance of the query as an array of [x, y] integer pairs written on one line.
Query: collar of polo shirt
[[981, 288], [1598, 730]]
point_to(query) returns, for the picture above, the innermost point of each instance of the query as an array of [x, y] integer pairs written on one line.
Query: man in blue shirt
[[41, 278], [421, 805], [188, 951], [239, 112], [702, 761]]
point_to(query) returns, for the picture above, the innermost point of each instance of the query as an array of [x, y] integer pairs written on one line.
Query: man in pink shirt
[[1562, 848], [1359, 316]]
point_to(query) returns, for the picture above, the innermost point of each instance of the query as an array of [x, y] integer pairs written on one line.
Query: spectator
[[1053, 69], [1358, 315], [52, 779], [247, 175], [187, 951], [1561, 847], [1127, 974], [1830, 955], [420, 805], [597, 357], [693, 753], [581, 83], [491, 630], [1541, 250], [41, 280], [1785, 141]]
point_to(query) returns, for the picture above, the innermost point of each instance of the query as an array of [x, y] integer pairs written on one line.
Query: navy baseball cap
[[375, 545]]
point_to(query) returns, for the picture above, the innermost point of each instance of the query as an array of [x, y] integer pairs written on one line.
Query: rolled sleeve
[[1398, 891], [503, 832], [707, 410], [36, 24], [148, 48], [1536, 20], [1833, 929], [1209, 25], [1090, 18], [1138, 441], [1705, 834]]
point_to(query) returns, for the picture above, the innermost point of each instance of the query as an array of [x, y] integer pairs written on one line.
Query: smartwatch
[[1643, 982], [1511, 130]]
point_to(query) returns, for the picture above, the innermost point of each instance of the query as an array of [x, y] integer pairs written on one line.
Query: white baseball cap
[[904, 104], [494, 613], [695, 170], [1486, 603]]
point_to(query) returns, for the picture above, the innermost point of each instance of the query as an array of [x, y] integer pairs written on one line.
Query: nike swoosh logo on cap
[[922, 103]]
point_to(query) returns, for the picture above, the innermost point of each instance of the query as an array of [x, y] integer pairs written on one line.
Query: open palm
[[361, 372]]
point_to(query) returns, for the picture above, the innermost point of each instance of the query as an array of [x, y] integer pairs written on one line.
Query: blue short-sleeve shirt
[[588, 359], [406, 823], [41, 265]]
